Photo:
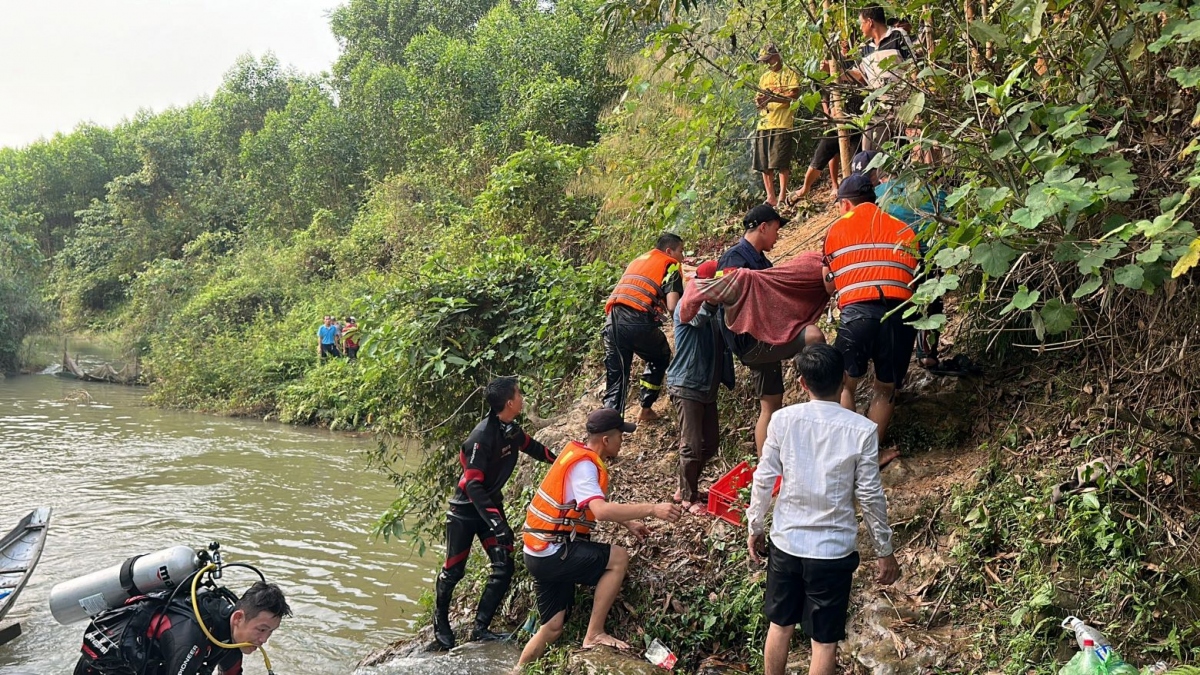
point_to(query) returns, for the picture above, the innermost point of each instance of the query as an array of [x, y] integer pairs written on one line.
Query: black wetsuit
[[488, 458], [180, 646]]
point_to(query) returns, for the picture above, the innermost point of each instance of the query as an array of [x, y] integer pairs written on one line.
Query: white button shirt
[[828, 457]]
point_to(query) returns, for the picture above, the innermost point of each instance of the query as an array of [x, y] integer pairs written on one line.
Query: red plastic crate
[[723, 499]]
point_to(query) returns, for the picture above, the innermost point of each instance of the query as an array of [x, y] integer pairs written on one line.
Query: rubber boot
[[443, 633], [493, 594]]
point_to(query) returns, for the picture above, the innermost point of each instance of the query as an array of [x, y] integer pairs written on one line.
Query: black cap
[[862, 160], [763, 213], [857, 188], [607, 419]]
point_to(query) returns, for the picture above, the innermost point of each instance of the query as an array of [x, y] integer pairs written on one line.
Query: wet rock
[[605, 661]]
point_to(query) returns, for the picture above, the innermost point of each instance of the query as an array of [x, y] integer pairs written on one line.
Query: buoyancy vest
[[549, 519], [641, 286], [871, 256]]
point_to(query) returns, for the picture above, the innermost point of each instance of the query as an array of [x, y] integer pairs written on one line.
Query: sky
[[63, 62]]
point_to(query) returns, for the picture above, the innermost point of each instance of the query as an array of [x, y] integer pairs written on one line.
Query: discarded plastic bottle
[[658, 654], [1089, 664], [1084, 632]]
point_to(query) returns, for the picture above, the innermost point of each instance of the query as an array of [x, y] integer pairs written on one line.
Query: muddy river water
[[124, 478]]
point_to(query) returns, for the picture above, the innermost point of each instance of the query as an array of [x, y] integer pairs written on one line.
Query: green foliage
[[456, 324], [1097, 554], [21, 310]]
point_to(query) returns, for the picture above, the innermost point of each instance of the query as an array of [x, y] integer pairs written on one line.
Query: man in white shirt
[[559, 552], [828, 457]]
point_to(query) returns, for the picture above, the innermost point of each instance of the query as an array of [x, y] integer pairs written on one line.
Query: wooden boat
[[19, 554]]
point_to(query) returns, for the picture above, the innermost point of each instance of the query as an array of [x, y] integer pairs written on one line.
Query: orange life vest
[[641, 285], [871, 256], [549, 520]]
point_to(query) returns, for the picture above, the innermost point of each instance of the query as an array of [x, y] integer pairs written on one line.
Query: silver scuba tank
[[87, 596]]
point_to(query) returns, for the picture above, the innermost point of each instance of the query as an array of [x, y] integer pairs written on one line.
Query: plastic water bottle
[[1085, 632], [1089, 664]]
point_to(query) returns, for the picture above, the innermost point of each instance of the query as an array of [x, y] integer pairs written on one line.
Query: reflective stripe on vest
[[640, 286], [870, 256], [550, 518]]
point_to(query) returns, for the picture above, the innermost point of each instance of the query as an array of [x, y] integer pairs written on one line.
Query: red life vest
[[641, 286], [871, 256]]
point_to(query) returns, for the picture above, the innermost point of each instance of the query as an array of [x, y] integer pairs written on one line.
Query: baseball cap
[[707, 269], [763, 213], [857, 188], [862, 160], [607, 419], [767, 52]]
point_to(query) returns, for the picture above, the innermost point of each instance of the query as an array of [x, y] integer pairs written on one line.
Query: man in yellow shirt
[[774, 142]]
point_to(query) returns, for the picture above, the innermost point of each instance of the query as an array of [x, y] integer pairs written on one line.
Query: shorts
[[811, 592], [887, 343], [830, 147], [773, 149], [555, 576], [764, 361]]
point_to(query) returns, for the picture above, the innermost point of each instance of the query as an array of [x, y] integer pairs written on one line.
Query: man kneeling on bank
[[559, 552]]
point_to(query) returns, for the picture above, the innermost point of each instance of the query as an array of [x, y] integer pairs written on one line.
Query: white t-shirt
[[583, 486]]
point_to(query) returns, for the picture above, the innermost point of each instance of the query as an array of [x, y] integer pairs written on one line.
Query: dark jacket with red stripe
[[182, 648], [488, 459]]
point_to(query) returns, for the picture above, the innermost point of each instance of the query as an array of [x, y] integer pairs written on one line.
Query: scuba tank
[[87, 596]]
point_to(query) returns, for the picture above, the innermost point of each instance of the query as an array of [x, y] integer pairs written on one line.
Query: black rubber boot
[[493, 594], [479, 634], [443, 633]]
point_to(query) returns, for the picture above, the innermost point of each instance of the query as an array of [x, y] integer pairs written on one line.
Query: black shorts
[[555, 576], [830, 146], [867, 336], [811, 592], [773, 149], [765, 364]]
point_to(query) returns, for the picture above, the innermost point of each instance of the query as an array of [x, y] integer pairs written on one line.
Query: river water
[[124, 478]]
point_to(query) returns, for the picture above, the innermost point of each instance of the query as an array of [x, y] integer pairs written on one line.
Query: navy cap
[[862, 160], [607, 419], [763, 213], [857, 188]]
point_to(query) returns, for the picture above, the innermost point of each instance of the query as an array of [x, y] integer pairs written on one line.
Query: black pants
[[621, 342], [329, 350], [462, 528]]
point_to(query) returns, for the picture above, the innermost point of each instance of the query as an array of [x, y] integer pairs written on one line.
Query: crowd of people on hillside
[[816, 459], [337, 338]]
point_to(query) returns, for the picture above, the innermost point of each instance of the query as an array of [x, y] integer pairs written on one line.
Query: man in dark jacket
[[701, 365], [180, 647], [488, 458]]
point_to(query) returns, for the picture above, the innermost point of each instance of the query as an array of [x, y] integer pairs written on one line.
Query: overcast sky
[[63, 62]]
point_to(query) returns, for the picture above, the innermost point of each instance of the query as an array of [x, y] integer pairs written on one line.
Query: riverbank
[[993, 555]]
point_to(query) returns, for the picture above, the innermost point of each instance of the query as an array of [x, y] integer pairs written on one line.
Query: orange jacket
[[871, 256], [551, 521], [641, 285]]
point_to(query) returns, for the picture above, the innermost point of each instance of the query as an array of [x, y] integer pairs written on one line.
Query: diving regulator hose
[[207, 634]]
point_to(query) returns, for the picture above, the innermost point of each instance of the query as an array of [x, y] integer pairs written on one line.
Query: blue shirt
[[328, 334], [741, 254]]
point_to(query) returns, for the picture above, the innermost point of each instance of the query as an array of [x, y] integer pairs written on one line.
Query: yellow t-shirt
[[778, 115]]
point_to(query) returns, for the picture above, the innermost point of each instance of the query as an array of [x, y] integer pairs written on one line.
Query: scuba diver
[[179, 644], [144, 622], [488, 457]]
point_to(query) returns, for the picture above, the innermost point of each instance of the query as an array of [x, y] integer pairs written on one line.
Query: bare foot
[[648, 415], [697, 509], [604, 640], [772, 201], [886, 456]]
